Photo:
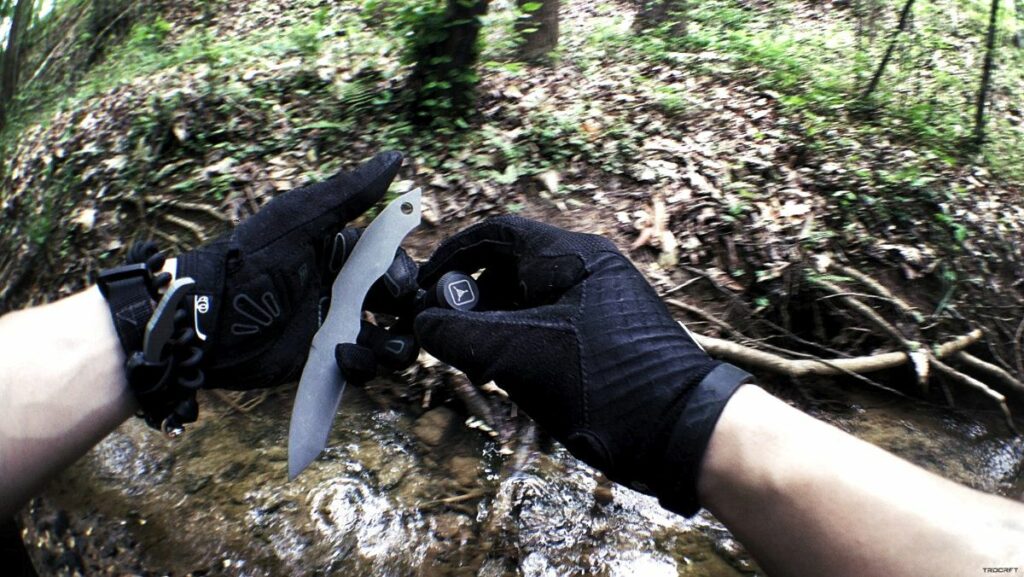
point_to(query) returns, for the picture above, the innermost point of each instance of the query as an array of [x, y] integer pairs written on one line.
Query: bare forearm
[[62, 389], [808, 499]]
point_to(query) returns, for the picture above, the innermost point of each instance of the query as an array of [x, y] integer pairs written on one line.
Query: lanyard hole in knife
[[407, 208]]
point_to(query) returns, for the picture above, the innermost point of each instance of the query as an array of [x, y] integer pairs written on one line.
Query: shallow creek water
[[382, 501]]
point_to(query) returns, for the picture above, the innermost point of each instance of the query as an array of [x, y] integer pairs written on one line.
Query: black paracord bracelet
[[166, 389]]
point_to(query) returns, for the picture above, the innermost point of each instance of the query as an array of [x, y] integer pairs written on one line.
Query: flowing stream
[[384, 501]]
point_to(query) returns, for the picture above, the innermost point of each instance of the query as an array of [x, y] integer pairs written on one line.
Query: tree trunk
[[654, 13], [904, 19], [443, 79], [539, 29], [986, 76], [10, 65]]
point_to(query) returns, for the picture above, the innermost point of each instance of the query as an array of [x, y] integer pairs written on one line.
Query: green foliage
[[444, 87]]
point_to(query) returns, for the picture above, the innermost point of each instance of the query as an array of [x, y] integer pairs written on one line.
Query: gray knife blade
[[322, 384]]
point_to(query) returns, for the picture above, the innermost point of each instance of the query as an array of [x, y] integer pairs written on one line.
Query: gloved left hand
[[263, 289]]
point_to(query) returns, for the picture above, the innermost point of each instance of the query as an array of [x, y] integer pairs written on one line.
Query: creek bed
[[400, 494]]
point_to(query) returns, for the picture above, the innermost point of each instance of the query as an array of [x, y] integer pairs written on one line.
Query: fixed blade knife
[[322, 384]]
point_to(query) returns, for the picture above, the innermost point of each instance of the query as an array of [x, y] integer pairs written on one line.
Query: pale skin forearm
[[808, 499], [62, 389]]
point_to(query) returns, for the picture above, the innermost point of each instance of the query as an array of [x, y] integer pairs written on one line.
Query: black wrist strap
[[165, 387], [127, 290]]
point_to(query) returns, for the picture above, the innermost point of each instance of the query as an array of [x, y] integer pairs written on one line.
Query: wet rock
[[432, 426], [450, 525], [464, 470]]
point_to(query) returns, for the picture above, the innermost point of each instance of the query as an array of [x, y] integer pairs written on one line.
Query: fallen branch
[[754, 358], [877, 288], [211, 211], [981, 387], [188, 225], [993, 370]]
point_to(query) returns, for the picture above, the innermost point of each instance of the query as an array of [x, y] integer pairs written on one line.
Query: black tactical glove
[[585, 346], [263, 289]]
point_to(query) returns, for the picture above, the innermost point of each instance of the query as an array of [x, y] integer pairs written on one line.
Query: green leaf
[[531, 6]]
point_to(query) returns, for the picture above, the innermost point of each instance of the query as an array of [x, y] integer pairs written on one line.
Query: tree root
[[186, 224], [207, 209], [237, 399]]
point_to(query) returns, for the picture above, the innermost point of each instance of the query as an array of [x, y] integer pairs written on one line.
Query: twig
[[736, 300], [238, 404], [994, 370], [477, 405], [730, 329], [868, 313], [680, 287], [172, 239], [186, 224], [919, 356], [880, 290], [704, 315], [212, 211], [980, 386], [752, 357], [469, 496]]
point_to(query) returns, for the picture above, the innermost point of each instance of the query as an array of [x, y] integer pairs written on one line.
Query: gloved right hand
[[583, 344]]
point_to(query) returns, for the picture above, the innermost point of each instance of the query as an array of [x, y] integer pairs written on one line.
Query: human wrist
[[740, 431], [689, 437]]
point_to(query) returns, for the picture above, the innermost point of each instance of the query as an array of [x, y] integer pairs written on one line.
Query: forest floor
[[746, 208]]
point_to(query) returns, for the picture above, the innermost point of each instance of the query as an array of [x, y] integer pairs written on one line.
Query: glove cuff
[[688, 439]]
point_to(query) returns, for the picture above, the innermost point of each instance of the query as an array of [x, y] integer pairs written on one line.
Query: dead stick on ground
[[919, 356], [994, 370], [879, 290], [869, 314], [752, 357], [980, 386], [209, 210], [192, 227], [779, 350]]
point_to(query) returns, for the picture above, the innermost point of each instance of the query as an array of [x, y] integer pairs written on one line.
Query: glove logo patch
[[200, 306], [261, 314], [461, 293]]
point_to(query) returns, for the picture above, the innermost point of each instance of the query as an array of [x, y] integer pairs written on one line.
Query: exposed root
[[237, 399], [209, 210], [998, 372], [172, 239], [877, 288], [970, 381], [188, 225]]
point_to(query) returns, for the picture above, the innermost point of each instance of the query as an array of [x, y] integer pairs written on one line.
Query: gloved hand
[[263, 289], [585, 346]]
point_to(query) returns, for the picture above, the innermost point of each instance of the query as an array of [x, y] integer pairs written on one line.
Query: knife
[[321, 384]]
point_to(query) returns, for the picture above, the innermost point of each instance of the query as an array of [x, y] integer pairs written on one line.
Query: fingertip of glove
[[368, 183]]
